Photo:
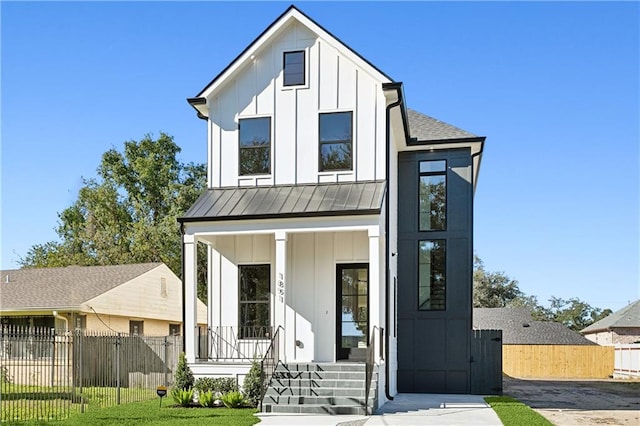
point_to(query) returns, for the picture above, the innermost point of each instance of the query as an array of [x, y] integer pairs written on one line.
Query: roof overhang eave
[[367, 212], [38, 310], [201, 107]]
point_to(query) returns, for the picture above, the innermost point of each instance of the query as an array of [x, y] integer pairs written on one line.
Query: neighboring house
[[518, 328], [620, 327], [137, 299], [335, 216]]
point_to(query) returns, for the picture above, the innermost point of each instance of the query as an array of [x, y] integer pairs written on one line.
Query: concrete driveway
[[580, 402]]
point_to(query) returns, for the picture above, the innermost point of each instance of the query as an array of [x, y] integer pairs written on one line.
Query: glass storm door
[[352, 322]]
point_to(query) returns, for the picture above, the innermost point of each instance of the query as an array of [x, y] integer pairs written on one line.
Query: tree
[[574, 313], [128, 213], [496, 289]]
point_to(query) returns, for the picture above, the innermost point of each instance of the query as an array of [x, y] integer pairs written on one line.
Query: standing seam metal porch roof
[[304, 200]]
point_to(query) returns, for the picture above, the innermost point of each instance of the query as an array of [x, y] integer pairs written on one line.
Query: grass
[[514, 413], [150, 413]]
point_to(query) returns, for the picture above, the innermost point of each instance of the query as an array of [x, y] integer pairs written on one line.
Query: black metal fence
[[47, 374]]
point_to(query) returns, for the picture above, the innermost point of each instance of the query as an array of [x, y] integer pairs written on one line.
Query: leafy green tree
[[127, 214], [496, 289], [574, 313]]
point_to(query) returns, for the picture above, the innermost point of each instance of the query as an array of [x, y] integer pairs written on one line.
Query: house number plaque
[[281, 288]]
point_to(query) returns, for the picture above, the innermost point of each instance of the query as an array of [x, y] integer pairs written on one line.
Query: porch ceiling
[[306, 200]]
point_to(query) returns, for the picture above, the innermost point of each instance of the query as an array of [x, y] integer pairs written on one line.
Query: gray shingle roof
[[629, 316], [287, 200], [57, 288], [518, 328], [425, 128]]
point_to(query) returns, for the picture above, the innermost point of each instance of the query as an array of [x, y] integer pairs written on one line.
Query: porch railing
[[370, 363], [229, 343], [269, 363]]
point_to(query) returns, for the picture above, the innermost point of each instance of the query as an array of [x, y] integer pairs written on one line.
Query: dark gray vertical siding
[[434, 346]]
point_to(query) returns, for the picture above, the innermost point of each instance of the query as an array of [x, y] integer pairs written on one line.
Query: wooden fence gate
[[486, 362]]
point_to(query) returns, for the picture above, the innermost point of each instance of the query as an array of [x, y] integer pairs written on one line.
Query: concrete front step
[[307, 391], [320, 388], [317, 409]]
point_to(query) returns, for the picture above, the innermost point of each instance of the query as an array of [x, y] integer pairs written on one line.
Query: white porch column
[[190, 326], [376, 286], [280, 304]]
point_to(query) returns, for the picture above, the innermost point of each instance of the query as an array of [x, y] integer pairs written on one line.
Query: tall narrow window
[[431, 275], [293, 68], [336, 141], [254, 301], [433, 195], [255, 146]]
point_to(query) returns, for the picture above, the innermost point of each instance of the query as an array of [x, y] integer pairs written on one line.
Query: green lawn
[[514, 413], [150, 413]]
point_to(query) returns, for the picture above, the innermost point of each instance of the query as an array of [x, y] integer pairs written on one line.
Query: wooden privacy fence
[[558, 361]]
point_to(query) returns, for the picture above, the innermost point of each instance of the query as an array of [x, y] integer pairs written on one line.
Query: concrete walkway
[[404, 410]]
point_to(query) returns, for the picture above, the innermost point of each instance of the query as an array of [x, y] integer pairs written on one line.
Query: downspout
[[386, 248], [184, 312], [66, 321]]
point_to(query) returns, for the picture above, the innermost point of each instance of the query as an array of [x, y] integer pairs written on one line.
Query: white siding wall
[[334, 83], [311, 284]]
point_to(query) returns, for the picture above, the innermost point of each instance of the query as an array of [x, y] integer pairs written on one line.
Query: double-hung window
[[336, 141], [254, 301], [254, 146]]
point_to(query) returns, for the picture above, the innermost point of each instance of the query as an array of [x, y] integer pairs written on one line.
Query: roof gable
[[292, 14], [58, 288], [629, 316]]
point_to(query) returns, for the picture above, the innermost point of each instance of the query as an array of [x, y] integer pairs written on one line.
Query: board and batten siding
[[334, 83], [311, 284]]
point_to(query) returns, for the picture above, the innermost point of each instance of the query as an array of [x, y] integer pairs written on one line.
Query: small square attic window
[[294, 68]]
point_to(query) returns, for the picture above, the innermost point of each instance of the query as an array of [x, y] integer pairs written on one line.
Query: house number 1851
[[281, 288]]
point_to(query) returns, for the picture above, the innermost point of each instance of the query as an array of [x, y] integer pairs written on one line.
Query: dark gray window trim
[[304, 68], [320, 142], [264, 302], [444, 242], [240, 148], [446, 191]]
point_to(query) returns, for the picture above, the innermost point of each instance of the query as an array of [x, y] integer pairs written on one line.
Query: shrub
[[253, 384], [206, 399], [182, 397], [233, 399], [184, 375], [216, 385], [5, 377]]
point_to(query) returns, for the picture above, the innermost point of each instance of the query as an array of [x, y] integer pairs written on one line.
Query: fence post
[[166, 359], [118, 369], [80, 357], [53, 356]]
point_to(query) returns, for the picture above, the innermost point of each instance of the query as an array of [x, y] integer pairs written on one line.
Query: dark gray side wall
[[434, 346]]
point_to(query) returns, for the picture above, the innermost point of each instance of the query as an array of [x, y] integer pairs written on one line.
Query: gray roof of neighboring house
[[305, 200], [425, 128], [519, 329], [68, 287], [629, 316]]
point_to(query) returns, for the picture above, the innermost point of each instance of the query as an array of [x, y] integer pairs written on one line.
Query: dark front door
[[352, 302]]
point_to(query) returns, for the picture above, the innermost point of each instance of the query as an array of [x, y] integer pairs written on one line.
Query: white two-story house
[[336, 220]]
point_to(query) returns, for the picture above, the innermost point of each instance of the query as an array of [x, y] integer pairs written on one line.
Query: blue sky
[[553, 86]]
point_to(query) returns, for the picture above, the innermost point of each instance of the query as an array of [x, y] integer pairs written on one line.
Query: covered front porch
[[316, 287]]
